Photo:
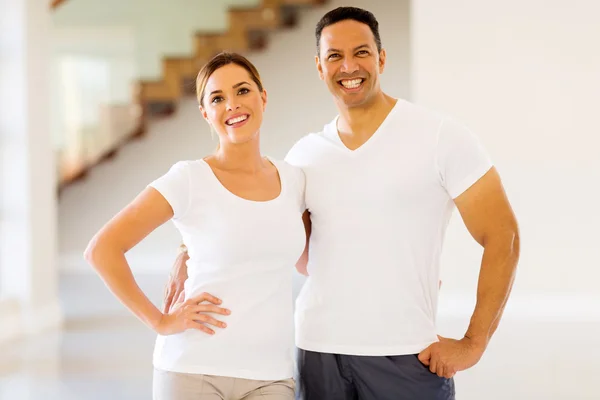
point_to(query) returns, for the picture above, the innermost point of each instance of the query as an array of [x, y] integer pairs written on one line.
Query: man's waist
[[363, 348], [381, 321]]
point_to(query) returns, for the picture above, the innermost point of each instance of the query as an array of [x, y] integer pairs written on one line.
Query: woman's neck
[[244, 157]]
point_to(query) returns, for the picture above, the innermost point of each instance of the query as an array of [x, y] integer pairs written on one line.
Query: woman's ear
[[263, 96], [204, 114]]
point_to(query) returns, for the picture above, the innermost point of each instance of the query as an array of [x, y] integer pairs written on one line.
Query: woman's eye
[[216, 99], [243, 91]]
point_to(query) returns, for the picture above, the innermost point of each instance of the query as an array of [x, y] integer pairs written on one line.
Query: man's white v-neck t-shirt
[[379, 214]]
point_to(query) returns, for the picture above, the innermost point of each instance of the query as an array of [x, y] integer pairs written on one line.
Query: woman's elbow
[[96, 250], [91, 252]]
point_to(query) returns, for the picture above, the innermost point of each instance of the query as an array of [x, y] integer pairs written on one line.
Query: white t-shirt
[[379, 215], [244, 253]]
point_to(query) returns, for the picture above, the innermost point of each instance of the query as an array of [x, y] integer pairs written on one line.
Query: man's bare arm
[[488, 216], [301, 264], [177, 278]]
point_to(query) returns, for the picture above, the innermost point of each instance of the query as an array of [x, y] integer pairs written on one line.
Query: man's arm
[[488, 216], [301, 264], [177, 277]]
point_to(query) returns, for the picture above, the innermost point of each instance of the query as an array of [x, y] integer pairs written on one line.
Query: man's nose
[[349, 65]]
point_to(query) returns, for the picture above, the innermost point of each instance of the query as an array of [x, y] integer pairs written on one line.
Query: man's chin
[[353, 102]]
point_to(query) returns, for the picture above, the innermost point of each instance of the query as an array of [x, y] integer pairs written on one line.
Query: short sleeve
[[174, 186], [461, 158], [295, 182]]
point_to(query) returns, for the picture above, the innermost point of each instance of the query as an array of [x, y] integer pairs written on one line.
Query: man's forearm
[[498, 268], [302, 263], [180, 265]]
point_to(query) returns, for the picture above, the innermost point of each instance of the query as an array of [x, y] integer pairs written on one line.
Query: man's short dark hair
[[348, 13]]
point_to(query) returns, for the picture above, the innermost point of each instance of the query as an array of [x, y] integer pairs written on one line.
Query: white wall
[[28, 272], [525, 75], [298, 103]]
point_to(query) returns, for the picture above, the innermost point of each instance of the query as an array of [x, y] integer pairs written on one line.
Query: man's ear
[[382, 60], [319, 67]]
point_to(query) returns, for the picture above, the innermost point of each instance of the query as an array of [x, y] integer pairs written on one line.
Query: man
[[381, 182]]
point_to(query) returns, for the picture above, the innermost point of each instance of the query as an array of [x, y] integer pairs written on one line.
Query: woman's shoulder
[[193, 167]]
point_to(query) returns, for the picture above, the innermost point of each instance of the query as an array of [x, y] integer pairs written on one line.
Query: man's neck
[[357, 124]]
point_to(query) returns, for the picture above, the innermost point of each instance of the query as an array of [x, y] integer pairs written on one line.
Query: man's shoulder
[[420, 112], [441, 122], [302, 149], [307, 146], [309, 140]]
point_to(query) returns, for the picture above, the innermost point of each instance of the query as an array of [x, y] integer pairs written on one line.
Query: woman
[[240, 216]]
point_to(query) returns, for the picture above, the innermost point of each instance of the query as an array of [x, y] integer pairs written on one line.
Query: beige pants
[[178, 386]]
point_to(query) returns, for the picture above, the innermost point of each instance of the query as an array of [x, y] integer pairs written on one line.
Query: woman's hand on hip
[[192, 314]]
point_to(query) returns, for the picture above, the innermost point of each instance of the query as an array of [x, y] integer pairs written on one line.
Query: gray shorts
[[179, 386], [342, 377]]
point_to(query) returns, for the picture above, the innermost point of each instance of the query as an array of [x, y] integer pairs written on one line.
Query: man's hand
[[448, 356], [177, 278]]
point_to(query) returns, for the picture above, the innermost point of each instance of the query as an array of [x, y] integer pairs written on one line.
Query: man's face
[[349, 62]]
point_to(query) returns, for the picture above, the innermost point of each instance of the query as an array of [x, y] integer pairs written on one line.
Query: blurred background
[[97, 100]]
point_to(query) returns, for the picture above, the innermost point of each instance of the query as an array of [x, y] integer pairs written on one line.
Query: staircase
[[248, 30]]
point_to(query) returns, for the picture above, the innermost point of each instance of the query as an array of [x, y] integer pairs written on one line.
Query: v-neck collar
[[332, 133]]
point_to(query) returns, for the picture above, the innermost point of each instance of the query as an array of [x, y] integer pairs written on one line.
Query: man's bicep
[[307, 223], [485, 209]]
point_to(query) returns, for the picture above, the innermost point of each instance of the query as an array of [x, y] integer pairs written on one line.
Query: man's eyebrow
[[361, 46], [356, 48]]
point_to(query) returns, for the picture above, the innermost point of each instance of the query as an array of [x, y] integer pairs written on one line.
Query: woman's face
[[233, 104]]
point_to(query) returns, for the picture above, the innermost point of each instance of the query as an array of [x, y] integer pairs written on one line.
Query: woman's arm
[[106, 253]]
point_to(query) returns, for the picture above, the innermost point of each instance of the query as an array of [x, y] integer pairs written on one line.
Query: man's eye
[[333, 56], [363, 52]]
